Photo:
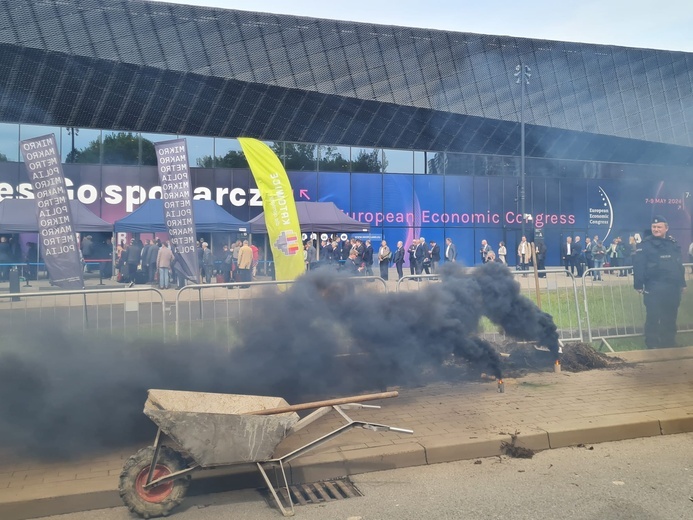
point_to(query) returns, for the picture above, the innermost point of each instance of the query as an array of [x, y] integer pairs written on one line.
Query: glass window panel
[[367, 160], [334, 158], [421, 160], [147, 155], [228, 154], [397, 161], [121, 148], [9, 142], [80, 145], [200, 150], [297, 156]]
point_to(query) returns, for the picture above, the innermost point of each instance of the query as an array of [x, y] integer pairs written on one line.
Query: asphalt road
[[639, 479]]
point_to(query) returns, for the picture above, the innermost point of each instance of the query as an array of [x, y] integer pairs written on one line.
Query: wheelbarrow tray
[[213, 429]]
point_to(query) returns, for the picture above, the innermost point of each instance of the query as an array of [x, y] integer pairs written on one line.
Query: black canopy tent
[[209, 218], [322, 217], [19, 216]]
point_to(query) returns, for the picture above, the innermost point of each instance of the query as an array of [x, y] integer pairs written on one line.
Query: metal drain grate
[[316, 492]]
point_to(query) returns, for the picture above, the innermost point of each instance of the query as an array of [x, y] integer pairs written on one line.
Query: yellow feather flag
[[278, 203]]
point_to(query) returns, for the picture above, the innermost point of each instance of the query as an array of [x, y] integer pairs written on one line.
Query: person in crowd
[[598, 255], [420, 253], [144, 256], [31, 259], [88, 250], [345, 250], [502, 252], [615, 254], [245, 263], [578, 257], [310, 255], [207, 262], [435, 256], [660, 277], [491, 258], [630, 253], [524, 253], [121, 262], [384, 256], [151, 260], [450, 251], [227, 262], [368, 258], [567, 255], [353, 266], [587, 253], [235, 250], [484, 251], [164, 263], [540, 252], [200, 260], [398, 259], [134, 258], [412, 256], [256, 260]]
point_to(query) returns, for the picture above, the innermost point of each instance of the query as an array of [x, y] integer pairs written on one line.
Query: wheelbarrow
[[213, 430]]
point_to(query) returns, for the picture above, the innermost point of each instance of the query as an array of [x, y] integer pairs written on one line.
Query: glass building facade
[[380, 119]]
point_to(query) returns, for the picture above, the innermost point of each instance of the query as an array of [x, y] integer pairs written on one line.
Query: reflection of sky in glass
[[224, 146], [9, 142], [398, 161], [198, 147]]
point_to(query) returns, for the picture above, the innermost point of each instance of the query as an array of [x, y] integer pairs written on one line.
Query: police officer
[[659, 276]]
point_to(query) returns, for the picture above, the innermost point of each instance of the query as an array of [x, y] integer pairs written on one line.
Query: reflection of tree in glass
[[3, 157], [369, 162], [118, 148], [233, 159]]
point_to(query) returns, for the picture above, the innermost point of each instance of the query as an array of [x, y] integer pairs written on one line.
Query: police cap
[[657, 219]]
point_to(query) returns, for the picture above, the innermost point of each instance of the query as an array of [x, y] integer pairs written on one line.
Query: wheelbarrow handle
[[320, 404]]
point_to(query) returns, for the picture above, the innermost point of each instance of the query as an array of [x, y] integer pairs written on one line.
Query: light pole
[[522, 73]]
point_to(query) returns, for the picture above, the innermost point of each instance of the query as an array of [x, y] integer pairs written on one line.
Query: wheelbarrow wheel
[[158, 500]]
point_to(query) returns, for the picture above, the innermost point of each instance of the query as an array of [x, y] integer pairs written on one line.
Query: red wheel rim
[[157, 493]]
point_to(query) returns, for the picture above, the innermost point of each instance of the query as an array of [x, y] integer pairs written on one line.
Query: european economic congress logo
[[601, 213], [287, 243]]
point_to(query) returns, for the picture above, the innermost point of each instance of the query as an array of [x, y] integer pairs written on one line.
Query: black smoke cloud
[[327, 336]]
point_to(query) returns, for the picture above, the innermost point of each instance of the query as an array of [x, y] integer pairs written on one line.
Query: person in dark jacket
[[368, 258], [435, 256], [398, 259], [659, 276]]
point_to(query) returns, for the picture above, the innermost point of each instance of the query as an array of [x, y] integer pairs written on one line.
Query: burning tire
[[158, 500]]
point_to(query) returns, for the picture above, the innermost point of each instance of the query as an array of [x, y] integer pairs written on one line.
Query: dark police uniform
[[659, 274]]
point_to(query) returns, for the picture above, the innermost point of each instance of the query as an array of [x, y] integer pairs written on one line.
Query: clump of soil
[[521, 358], [518, 452]]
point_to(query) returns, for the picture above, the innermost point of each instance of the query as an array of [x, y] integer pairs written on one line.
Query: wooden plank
[[345, 489], [299, 495], [320, 489], [309, 493], [335, 492]]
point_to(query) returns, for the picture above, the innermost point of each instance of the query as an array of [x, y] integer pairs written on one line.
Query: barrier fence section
[[558, 296], [216, 311], [127, 312], [614, 309]]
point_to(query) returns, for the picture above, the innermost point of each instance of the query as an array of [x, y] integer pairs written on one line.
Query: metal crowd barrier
[[613, 309], [126, 312], [213, 311]]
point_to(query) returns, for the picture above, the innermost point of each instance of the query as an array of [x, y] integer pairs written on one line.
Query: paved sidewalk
[[652, 395]]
